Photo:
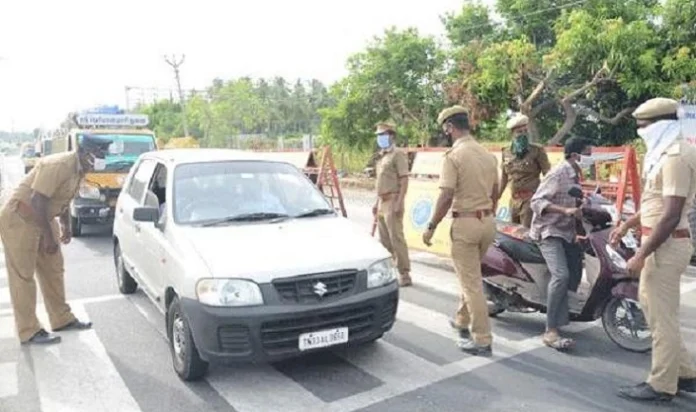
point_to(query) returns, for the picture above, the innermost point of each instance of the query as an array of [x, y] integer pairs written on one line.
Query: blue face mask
[[383, 141]]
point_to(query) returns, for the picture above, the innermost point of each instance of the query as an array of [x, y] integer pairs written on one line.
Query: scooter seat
[[523, 251]]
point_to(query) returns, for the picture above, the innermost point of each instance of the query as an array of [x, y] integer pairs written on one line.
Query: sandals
[[558, 343]]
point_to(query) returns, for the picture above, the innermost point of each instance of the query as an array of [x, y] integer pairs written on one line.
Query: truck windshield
[[125, 149]]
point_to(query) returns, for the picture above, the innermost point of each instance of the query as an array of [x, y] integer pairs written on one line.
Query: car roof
[[196, 155]]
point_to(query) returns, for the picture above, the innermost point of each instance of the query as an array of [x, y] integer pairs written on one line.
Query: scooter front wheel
[[624, 322]]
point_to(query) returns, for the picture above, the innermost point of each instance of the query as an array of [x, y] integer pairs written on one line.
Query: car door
[[152, 235], [129, 230]]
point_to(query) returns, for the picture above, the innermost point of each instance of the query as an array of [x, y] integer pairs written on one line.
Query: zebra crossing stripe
[[8, 379], [98, 386]]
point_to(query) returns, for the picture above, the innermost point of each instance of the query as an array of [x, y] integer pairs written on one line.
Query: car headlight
[[616, 258], [89, 192], [380, 274], [228, 292]]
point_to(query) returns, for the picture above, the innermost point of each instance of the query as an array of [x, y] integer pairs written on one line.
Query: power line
[[518, 16]]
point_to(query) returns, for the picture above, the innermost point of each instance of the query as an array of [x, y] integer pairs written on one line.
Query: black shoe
[[687, 385], [644, 392], [473, 348], [42, 338], [74, 325], [463, 332]]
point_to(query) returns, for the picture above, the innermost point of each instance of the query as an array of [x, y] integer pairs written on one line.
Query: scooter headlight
[[616, 258]]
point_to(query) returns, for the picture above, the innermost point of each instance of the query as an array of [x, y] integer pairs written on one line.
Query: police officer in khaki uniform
[[31, 236], [392, 184], [523, 162], [669, 173], [469, 185]]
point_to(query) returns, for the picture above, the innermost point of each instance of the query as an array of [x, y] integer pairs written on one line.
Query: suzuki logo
[[320, 289]]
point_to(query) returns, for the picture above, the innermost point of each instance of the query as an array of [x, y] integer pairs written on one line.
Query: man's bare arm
[[444, 202], [631, 222], [64, 218], [673, 206]]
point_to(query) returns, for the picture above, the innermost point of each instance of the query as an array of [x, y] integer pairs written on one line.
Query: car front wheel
[[185, 357], [126, 284]]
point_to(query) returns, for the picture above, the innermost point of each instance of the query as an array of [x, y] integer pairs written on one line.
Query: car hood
[[264, 251]]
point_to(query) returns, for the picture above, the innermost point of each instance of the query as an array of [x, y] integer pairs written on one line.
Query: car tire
[[186, 360], [75, 227], [126, 284]]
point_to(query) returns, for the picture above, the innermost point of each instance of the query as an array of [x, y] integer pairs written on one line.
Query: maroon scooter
[[516, 278]]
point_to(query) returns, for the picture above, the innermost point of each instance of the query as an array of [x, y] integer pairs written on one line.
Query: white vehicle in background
[[247, 259]]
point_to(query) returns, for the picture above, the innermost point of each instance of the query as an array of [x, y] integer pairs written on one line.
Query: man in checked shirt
[[554, 228]]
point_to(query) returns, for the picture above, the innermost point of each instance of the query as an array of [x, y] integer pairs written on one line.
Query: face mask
[[585, 162], [520, 145], [383, 141], [652, 134]]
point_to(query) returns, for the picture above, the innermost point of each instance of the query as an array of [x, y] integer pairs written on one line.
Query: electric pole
[[175, 65]]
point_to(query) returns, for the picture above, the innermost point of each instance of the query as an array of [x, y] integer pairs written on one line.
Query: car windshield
[[229, 191], [125, 149]]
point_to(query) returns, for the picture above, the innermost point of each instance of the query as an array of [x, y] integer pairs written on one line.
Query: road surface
[[123, 364]]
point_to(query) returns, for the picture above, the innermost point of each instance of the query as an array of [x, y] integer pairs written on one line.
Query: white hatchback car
[[247, 259]]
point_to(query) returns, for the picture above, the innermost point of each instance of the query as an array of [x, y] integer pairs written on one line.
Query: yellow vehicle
[[96, 199], [29, 156]]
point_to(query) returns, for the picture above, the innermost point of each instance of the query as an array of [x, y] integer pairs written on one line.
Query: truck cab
[[96, 199], [29, 156]]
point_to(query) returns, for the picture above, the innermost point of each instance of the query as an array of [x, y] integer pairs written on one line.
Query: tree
[[584, 73], [398, 77]]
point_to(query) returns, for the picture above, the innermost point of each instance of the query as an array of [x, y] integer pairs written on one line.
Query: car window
[[141, 177], [215, 190]]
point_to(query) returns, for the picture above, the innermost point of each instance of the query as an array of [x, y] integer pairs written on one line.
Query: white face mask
[[651, 134], [98, 164], [585, 162]]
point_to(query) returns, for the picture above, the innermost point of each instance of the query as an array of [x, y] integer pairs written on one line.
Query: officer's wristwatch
[[431, 226]]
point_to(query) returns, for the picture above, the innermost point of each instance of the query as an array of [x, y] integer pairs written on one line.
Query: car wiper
[[316, 212], [246, 217]]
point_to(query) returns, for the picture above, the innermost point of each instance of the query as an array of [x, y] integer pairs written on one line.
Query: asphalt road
[[124, 365]]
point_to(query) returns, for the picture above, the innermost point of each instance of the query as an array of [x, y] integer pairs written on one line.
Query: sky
[[58, 56]]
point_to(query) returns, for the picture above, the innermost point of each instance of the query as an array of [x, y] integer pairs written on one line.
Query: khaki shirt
[[471, 172], [677, 177], [523, 173], [57, 177], [391, 167]]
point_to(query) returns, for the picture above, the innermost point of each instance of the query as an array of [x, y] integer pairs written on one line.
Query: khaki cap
[[383, 127], [657, 107], [517, 120], [449, 112]]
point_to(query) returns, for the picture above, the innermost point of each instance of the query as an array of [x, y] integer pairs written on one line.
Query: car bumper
[[90, 211], [271, 333]]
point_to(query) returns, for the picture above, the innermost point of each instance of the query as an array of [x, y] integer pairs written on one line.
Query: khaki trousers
[[21, 239], [521, 212], [659, 297], [391, 235], [471, 238]]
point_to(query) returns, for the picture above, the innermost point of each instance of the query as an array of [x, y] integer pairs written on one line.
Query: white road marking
[[261, 388], [78, 375], [4, 296], [8, 380]]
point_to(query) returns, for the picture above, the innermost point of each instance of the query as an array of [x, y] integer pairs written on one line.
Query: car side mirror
[[146, 214]]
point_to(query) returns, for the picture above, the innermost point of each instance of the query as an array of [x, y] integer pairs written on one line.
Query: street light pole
[[175, 65]]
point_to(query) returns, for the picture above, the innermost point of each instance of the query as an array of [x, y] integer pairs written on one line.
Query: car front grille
[[282, 335], [316, 288]]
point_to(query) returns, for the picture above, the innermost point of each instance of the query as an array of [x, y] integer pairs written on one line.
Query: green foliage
[[574, 67]]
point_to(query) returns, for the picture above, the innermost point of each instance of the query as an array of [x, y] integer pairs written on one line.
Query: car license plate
[[323, 339]]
